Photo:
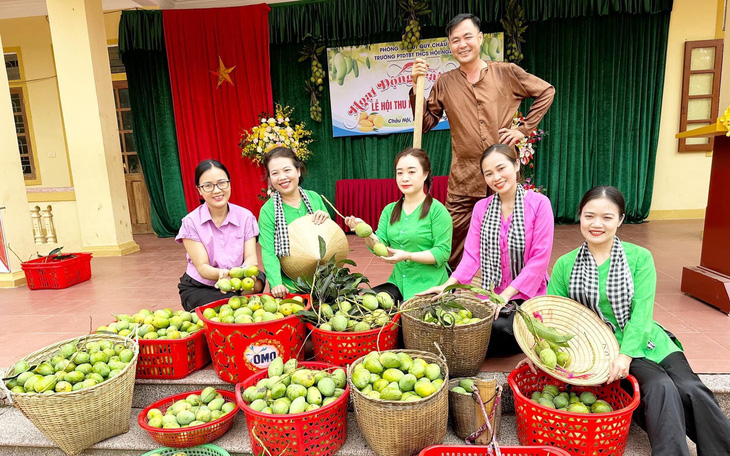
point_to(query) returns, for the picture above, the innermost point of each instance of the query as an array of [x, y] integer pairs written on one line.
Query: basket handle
[[441, 353], [493, 446]]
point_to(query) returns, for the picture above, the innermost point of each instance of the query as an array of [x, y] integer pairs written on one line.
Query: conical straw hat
[[591, 350], [304, 246]]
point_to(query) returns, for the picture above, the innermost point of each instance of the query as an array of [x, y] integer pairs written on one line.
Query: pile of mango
[[254, 309], [289, 390], [585, 402], [396, 377], [160, 324], [372, 312], [194, 410], [73, 368]]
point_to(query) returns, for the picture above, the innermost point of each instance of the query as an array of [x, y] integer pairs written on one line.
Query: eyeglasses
[[208, 187]]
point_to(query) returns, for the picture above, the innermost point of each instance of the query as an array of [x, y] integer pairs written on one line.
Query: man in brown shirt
[[480, 99]]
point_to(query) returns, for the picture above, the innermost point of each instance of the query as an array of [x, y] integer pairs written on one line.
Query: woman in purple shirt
[[217, 236], [510, 238]]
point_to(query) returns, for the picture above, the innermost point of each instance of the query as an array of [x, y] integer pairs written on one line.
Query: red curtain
[[209, 119]]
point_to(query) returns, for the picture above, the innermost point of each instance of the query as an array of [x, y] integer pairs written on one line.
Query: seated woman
[[288, 202], [416, 229], [217, 236], [617, 281], [510, 238]]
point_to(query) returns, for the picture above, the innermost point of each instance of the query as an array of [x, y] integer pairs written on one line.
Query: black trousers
[[195, 294], [674, 404], [502, 341]]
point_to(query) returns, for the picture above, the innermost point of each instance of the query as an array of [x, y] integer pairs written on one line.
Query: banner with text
[[369, 84]]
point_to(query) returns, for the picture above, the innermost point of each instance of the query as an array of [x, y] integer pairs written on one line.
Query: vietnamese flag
[[209, 117]]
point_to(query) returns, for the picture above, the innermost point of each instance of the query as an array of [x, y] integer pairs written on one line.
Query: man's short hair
[[461, 18]]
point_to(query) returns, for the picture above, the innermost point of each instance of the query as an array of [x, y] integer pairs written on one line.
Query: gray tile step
[[18, 437]]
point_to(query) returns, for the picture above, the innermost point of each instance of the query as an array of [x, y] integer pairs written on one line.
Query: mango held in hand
[[307, 390], [380, 250], [194, 410], [224, 285], [363, 230], [392, 376]]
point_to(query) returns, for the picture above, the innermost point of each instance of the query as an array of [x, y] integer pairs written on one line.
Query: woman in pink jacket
[[510, 238]]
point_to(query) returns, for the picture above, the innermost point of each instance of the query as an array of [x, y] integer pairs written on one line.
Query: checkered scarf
[[489, 252], [583, 286], [281, 231]]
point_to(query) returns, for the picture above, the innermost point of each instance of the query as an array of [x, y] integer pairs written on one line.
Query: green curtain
[[603, 126], [359, 20], [142, 47]]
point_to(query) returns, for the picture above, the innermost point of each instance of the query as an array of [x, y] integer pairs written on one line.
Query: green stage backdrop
[[606, 63]]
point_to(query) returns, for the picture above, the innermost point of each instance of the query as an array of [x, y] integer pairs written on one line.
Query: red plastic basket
[[320, 432], [343, 348], [172, 358], [239, 350], [577, 433], [47, 272], [188, 436], [471, 450]]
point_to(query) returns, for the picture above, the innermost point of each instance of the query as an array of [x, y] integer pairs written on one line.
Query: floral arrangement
[[725, 120], [276, 131], [526, 144]]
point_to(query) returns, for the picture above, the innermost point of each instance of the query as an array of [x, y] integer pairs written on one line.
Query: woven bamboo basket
[[464, 346], [591, 350], [77, 420], [394, 428], [464, 410]]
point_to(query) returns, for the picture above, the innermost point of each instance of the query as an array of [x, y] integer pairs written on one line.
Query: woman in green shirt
[[617, 281], [288, 202], [416, 229]]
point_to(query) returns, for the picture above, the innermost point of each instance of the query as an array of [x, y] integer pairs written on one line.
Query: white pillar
[[87, 106]]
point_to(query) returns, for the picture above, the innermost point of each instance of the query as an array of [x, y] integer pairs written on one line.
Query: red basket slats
[[44, 273], [239, 350], [320, 432], [578, 433], [471, 450], [192, 435], [172, 358], [344, 348]]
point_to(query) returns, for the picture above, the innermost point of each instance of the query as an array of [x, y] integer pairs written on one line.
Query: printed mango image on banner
[[369, 85]]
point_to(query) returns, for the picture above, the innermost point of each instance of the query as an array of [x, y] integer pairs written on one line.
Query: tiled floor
[[148, 279]]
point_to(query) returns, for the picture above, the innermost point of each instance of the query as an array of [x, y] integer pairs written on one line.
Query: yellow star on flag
[[223, 73]]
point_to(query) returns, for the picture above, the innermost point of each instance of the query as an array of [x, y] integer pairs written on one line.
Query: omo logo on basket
[[261, 353]]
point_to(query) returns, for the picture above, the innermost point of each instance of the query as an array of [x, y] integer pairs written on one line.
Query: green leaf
[[303, 58], [322, 248], [346, 261]]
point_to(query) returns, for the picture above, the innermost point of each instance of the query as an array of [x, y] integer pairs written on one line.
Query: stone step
[[18, 437]]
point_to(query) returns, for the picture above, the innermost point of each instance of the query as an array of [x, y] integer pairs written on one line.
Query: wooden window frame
[[686, 97], [24, 115]]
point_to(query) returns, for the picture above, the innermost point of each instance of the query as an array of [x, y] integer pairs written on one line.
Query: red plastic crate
[[240, 350], [344, 348], [48, 272], [191, 435], [320, 432], [472, 450], [580, 434], [172, 358]]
